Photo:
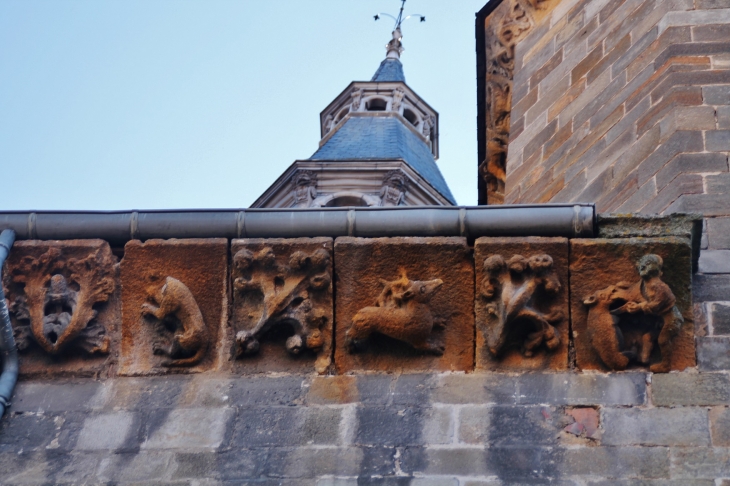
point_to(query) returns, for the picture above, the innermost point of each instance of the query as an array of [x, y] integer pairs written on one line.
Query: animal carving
[[401, 311], [53, 297], [174, 306], [625, 320], [292, 295], [512, 291]]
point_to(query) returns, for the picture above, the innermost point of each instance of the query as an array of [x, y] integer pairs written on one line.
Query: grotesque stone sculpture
[[304, 188], [625, 320], [510, 290], [394, 188], [289, 294], [53, 298], [180, 324], [400, 312]]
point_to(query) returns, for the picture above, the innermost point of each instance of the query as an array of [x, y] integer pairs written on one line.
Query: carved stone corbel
[[401, 312], [627, 321], [304, 189], [53, 298], [282, 291], [395, 185], [182, 333]]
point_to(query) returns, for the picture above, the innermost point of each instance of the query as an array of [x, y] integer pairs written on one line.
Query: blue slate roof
[[388, 71], [379, 137]]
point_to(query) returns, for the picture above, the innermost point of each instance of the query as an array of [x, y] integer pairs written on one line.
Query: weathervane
[[395, 47]]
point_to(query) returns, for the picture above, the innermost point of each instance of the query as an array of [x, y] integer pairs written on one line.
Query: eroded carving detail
[[283, 296], [506, 29], [394, 188], [401, 311], [305, 188], [356, 97], [626, 320], [511, 289], [183, 336], [398, 95], [52, 301]]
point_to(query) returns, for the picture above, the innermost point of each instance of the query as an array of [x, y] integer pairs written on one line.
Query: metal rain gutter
[[118, 227]]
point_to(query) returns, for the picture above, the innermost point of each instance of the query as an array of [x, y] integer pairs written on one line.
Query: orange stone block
[[521, 304], [174, 305], [282, 304], [631, 303], [404, 305], [65, 307]]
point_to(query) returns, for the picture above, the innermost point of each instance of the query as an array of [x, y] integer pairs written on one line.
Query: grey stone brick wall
[[421, 429]]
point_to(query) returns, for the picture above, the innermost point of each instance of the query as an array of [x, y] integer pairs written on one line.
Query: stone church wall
[[252, 362], [625, 103]]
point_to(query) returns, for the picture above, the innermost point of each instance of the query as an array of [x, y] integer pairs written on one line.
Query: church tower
[[379, 148]]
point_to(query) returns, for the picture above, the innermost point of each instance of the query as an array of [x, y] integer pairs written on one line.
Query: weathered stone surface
[[282, 304], [720, 315], [598, 263], [531, 273], [690, 389], [174, 301], [711, 288], [718, 231], [658, 426], [700, 462], [583, 389], [720, 426], [713, 353], [65, 306], [106, 431], [404, 304], [714, 261], [190, 429]]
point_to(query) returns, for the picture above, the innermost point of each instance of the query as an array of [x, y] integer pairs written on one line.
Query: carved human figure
[[53, 297], [394, 188], [427, 125], [356, 98], [402, 312], [398, 95], [328, 122], [288, 296], [305, 188], [646, 313], [511, 291], [179, 318]]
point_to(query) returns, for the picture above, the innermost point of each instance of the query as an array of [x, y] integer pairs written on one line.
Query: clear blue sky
[[144, 104]]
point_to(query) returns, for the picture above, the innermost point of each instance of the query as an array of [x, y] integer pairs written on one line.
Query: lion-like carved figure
[[625, 320], [401, 311], [285, 294], [174, 306], [512, 289], [53, 297]]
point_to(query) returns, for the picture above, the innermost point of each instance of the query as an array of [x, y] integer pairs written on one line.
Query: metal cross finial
[[400, 19], [394, 47]]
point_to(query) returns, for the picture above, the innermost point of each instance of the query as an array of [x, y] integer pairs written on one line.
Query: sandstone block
[[65, 306], [531, 273], [631, 303], [686, 389], [720, 316], [713, 353], [657, 426], [174, 298], [404, 304], [720, 424], [282, 304]]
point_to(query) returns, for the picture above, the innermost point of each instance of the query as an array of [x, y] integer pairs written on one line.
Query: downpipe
[[8, 350]]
